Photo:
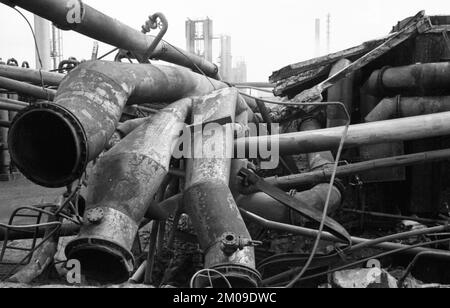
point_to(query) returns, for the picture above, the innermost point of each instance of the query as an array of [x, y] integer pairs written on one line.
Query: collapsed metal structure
[[76, 124]]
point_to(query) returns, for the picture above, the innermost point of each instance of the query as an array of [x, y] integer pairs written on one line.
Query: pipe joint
[[47, 167], [105, 243]]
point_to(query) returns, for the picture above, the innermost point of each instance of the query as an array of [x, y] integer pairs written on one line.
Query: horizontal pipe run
[[406, 129], [208, 199], [106, 29], [12, 105], [5, 124], [26, 89], [418, 79], [30, 75], [403, 107], [311, 178], [316, 161]]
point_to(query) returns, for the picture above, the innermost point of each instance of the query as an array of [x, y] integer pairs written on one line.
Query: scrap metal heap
[[360, 152]]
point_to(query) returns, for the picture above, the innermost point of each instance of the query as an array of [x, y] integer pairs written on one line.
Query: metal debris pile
[[175, 178]]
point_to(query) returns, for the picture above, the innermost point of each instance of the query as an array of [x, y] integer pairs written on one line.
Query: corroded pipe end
[[214, 213], [101, 261], [48, 145], [103, 246]]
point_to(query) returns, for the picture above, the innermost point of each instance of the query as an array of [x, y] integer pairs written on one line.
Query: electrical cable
[[108, 53], [192, 62]]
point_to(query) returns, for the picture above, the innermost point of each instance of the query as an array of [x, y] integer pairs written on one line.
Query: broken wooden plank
[[301, 67], [418, 24], [302, 79]]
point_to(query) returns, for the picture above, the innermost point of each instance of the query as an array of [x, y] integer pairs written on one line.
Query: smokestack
[[56, 46], [42, 32], [317, 51]]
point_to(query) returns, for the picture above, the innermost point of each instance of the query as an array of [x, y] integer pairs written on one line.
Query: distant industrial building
[[199, 40], [199, 37], [240, 71]]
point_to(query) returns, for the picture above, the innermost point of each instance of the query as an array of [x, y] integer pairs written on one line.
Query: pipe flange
[[77, 131], [380, 87], [95, 216]]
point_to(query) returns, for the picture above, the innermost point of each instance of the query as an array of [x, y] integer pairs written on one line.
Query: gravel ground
[[22, 192]]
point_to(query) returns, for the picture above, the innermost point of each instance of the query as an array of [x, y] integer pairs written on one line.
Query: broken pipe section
[[221, 230], [121, 189]]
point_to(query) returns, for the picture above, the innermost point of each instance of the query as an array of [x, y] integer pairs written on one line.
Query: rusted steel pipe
[[413, 128], [68, 134], [30, 75], [80, 17], [26, 89], [12, 105], [417, 79], [402, 107], [221, 230], [121, 188], [311, 178]]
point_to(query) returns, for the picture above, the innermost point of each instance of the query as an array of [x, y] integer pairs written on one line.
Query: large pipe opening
[[46, 147], [97, 263]]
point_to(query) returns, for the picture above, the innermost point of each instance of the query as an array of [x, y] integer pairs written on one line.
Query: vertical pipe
[[208, 199], [42, 32]]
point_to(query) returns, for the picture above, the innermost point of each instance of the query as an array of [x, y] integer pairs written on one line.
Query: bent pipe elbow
[[53, 143], [401, 107], [420, 79]]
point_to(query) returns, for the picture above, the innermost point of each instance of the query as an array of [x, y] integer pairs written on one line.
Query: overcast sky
[[268, 34]]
